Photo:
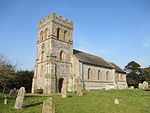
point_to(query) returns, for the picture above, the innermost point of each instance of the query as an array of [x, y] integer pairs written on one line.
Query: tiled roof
[[96, 60], [118, 69], [92, 59]]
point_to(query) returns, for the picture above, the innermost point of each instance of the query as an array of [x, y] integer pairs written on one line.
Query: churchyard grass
[[101, 101]]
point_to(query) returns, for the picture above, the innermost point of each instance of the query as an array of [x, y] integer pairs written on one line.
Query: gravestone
[[140, 86], [79, 87], [13, 93], [64, 89], [5, 100], [48, 106], [132, 87], [116, 101], [19, 99], [145, 84], [107, 87]]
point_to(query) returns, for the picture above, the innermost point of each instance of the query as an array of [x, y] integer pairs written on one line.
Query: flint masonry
[[56, 60]]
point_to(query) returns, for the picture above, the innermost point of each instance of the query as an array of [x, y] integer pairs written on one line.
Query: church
[[56, 60]]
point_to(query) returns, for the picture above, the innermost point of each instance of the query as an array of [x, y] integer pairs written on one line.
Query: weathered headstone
[[48, 106], [13, 93], [5, 100], [79, 88], [64, 89], [140, 86], [116, 101], [19, 99], [145, 84], [132, 87], [107, 87]]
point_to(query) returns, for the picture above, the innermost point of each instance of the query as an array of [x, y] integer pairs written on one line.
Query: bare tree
[[7, 73]]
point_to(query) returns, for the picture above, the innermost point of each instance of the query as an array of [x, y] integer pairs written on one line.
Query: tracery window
[[41, 36]]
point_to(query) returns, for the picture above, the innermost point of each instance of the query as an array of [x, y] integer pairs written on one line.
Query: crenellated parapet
[[57, 19]]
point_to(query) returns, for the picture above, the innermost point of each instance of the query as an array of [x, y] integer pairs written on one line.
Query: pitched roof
[[92, 59], [118, 69]]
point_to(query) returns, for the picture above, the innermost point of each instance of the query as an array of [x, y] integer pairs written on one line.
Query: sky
[[116, 30]]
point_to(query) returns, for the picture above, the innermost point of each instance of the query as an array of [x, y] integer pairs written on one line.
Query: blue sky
[[117, 30]]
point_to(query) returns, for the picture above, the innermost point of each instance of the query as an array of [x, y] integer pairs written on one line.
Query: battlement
[[57, 19]]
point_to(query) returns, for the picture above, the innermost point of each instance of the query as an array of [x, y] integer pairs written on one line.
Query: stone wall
[[121, 81], [94, 83], [53, 54]]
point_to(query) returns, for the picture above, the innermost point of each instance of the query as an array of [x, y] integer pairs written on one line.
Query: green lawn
[[102, 101]]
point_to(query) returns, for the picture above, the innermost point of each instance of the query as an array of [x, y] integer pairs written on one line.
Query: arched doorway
[[60, 84]]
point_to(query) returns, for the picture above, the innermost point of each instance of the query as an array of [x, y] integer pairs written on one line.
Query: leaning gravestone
[[64, 89], [145, 84], [13, 93], [132, 87], [19, 99], [5, 100], [116, 101], [107, 87], [140, 86], [48, 106], [79, 88]]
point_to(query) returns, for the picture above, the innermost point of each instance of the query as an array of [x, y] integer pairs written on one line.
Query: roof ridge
[[106, 62], [117, 66], [98, 57]]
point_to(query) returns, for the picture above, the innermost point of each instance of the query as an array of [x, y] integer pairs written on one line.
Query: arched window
[[58, 32], [107, 76], [61, 56], [99, 73], [89, 74], [46, 33], [65, 35], [41, 36]]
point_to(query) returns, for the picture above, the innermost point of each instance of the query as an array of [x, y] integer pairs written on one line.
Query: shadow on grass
[[32, 105], [8, 98], [69, 96]]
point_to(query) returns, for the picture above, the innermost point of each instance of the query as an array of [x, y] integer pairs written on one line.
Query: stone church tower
[[53, 54]]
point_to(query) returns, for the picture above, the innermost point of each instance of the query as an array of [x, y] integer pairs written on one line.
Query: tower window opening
[[61, 56], [65, 33], [58, 31]]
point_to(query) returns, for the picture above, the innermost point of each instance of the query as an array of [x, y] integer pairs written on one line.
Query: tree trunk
[[3, 90]]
